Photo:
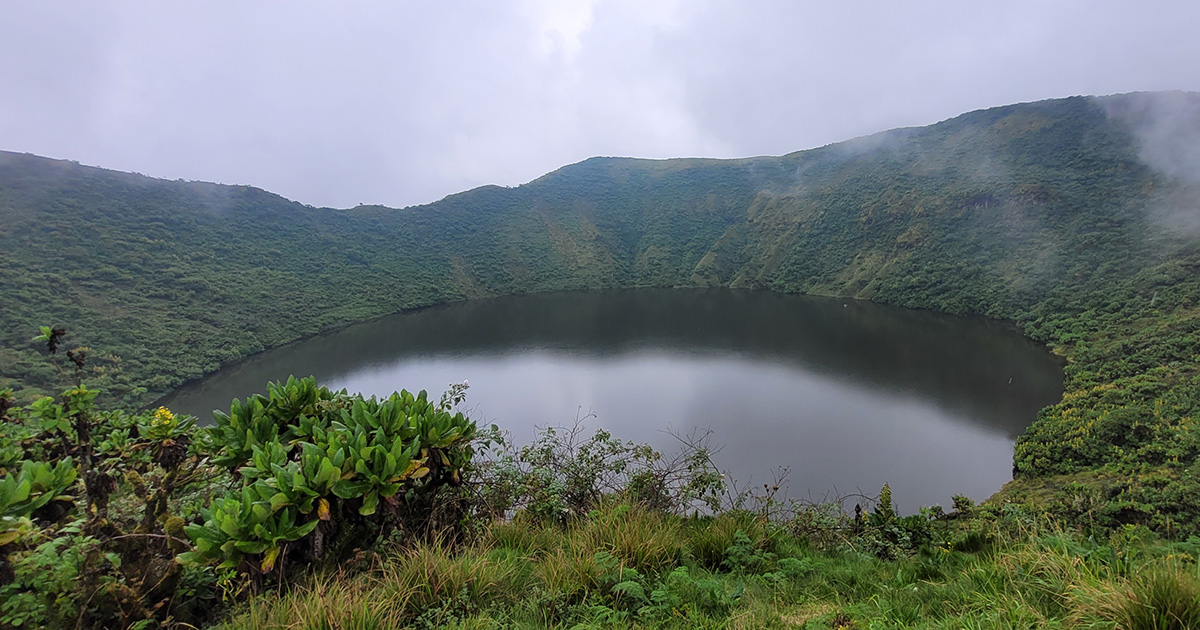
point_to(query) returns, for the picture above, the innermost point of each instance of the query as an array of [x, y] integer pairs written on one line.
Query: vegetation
[[524, 575], [1055, 215], [383, 514], [142, 518]]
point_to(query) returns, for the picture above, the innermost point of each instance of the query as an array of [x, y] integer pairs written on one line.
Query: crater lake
[[842, 395]]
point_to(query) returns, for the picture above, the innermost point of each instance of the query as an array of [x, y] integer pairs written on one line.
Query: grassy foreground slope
[[734, 572], [1076, 218]]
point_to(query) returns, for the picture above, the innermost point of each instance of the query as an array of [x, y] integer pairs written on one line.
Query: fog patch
[[1166, 126], [892, 141], [1176, 208]]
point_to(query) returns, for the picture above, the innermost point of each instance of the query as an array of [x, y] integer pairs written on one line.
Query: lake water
[[846, 395]]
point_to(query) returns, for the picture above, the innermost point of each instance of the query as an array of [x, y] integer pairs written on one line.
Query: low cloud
[[1166, 127], [402, 103]]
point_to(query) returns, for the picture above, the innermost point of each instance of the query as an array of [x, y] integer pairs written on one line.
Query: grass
[[624, 567], [1164, 596]]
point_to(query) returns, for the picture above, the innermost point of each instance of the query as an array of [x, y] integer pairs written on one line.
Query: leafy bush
[[746, 555], [90, 504], [566, 473], [96, 505], [309, 456], [30, 491]]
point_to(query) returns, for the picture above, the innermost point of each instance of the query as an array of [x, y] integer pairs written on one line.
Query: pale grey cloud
[[805, 74], [399, 102]]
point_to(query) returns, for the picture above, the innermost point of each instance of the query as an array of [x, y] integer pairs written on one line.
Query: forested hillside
[[1076, 218]]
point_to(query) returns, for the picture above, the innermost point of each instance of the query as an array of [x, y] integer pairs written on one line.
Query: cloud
[[788, 75], [1167, 129], [401, 103]]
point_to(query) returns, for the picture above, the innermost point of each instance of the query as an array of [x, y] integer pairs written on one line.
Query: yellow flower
[[164, 416]]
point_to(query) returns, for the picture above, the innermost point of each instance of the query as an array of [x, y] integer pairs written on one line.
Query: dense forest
[[1077, 219]]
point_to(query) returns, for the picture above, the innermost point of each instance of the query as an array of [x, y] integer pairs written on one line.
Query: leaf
[[390, 465], [303, 530], [278, 501], [322, 510], [369, 503], [268, 563], [229, 525], [22, 492], [350, 489], [191, 559], [251, 546], [418, 473], [630, 589], [9, 536], [413, 466], [325, 473], [197, 531]]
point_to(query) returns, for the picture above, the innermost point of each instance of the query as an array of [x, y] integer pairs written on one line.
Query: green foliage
[[710, 538], [95, 506], [307, 455], [565, 473], [245, 524], [885, 510], [1033, 575], [1042, 214], [41, 593], [31, 489], [1161, 598], [745, 556], [66, 521]]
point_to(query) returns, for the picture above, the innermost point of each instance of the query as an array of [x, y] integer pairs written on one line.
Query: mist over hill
[[1077, 218]]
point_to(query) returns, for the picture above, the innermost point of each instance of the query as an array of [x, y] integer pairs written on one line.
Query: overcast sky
[[340, 103]]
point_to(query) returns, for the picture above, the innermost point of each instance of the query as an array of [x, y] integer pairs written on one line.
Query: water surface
[[845, 395]]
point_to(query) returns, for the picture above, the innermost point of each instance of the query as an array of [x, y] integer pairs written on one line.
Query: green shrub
[[309, 456], [565, 473], [113, 519]]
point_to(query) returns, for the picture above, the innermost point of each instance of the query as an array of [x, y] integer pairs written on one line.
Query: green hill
[[1078, 219]]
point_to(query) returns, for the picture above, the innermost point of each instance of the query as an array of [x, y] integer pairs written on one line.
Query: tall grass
[[523, 574], [642, 540], [332, 602], [1164, 596], [431, 575]]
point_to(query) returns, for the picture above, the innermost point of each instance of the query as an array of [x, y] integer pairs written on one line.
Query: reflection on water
[[845, 394]]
